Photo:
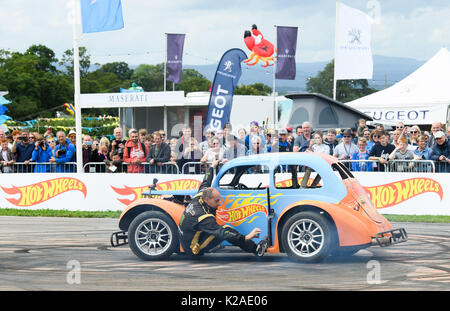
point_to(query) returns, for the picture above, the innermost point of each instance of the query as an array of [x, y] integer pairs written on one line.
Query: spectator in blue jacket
[[41, 154], [361, 154], [441, 152], [64, 152]]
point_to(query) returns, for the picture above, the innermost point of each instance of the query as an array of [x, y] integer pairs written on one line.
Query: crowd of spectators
[[360, 148]]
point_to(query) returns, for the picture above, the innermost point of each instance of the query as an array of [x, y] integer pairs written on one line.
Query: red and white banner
[[399, 193]]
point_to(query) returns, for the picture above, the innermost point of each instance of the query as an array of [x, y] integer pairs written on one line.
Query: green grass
[[418, 218], [116, 214], [57, 213]]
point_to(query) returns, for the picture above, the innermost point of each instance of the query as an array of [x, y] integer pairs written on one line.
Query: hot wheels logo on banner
[[136, 192], [391, 194], [42, 191]]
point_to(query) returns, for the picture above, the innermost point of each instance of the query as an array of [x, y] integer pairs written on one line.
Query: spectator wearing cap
[[281, 144], [346, 149], [72, 137], [441, 152], [234, 150], [435, 127], [254, 128], [301, 142], [289, 130]]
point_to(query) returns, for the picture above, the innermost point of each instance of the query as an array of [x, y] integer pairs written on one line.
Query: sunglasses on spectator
[[415, 132], [399, 127], [346, 136]]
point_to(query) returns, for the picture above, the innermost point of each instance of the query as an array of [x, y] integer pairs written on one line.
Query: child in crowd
[[363, 155]]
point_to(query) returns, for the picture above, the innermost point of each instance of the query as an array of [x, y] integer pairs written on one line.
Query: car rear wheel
[[306, 237], [153, 236]]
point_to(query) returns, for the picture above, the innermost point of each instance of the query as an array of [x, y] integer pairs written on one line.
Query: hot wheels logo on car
[[136, 192], [42, 191], [391, 194], [236, 209]]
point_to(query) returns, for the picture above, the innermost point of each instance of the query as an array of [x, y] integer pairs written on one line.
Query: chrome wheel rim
[[153, 236], [306, 238]]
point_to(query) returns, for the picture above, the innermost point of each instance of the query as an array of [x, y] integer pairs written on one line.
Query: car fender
[[174, 210], [350, 227]]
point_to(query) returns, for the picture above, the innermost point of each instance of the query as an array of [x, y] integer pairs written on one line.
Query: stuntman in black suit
[[199, 231]]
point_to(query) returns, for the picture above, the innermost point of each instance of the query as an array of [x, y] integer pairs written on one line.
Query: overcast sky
[[405, 28]]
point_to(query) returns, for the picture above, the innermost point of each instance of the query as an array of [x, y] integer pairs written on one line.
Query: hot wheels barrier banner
[[225, 81], [404, 193]]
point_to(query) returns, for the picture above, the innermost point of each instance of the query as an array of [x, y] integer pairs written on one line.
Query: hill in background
[[387, 71]]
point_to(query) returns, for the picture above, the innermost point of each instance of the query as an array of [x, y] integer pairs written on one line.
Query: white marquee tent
[[423, 97]]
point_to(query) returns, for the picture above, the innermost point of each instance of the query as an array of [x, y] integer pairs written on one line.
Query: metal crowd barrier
[[144, 167], [194, 167], [399, 166], [40, 167], [416, 166]]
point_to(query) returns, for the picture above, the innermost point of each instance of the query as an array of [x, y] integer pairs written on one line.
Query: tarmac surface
[[74, 254]]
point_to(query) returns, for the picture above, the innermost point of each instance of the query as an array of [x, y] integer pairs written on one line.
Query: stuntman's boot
[[262, 246]]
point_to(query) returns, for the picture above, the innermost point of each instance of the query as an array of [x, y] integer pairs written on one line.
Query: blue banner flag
[[175, 44], [286, 48], [222, 90], [101, 15]]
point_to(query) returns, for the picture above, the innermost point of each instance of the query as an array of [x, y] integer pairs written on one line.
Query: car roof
[[280, 158]]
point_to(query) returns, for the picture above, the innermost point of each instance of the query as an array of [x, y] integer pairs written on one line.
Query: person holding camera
[[23, 149], [64, 152], [118, 143], [41, 154]]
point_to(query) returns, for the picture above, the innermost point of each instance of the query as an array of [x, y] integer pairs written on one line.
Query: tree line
[[39, 83]]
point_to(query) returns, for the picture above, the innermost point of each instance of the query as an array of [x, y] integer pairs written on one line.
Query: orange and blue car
[[308, 205]]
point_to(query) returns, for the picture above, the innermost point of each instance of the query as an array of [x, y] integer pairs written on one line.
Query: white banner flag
[[353, 59]]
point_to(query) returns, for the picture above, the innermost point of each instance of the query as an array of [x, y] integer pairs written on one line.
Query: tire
[[153, 236], [307, 237]]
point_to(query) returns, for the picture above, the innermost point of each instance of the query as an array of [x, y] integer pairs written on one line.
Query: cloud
[[412, 28]]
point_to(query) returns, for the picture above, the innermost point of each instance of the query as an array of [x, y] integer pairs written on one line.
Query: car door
[[244, 199]]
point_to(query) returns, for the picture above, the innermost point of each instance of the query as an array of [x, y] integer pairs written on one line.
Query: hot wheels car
[[309, 206]]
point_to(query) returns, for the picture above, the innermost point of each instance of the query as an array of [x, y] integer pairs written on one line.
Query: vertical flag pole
[[165, 65], [275, 121], [76, 77], [335, 50]]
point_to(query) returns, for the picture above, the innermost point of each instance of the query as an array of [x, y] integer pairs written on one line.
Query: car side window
[[255, 177], [296, 177]]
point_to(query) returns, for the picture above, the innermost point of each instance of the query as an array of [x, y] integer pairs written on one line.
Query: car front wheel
[[306, 237], [153, 236]]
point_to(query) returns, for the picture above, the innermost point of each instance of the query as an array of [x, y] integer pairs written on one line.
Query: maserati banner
[[175, 44], [286, 48]]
